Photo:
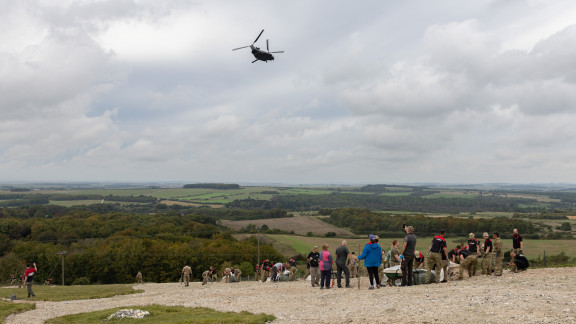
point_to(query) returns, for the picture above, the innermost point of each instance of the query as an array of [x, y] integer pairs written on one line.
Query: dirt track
[[535, 296]]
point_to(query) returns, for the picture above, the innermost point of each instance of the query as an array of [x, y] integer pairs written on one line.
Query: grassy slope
[[59, 293], [168, 314]]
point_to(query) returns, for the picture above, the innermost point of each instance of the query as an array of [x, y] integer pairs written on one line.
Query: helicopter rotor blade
[[240, 47], [277, 52], [267, 48], [258, 36]]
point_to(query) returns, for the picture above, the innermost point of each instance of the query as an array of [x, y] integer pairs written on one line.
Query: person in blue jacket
[[372, 256]]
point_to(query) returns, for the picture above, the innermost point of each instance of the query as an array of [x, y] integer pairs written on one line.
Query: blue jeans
[[325, 276]]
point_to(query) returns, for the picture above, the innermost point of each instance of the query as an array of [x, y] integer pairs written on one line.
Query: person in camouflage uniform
[[293, 269], [226, 275], [353, 265], [498, 255], [187, 272], [205, 277], [213, 274], [487, 255], [437, 249], [467, 260]]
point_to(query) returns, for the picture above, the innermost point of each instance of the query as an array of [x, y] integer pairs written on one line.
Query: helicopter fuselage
[[261, 55]]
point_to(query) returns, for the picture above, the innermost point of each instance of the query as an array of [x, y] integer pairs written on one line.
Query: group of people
[[276, 271], [320, 263], [408, 258]]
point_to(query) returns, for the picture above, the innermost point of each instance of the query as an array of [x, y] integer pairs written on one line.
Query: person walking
[[342, 253], [487, 255], [437, 249], [139, 277], [313, 258], [325, 262], [407, 256], [517, 243], [29, 275], [187, 272], [498, 255], [372, 256]]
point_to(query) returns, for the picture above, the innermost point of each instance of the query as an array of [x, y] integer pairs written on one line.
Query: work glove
[[402, 257]]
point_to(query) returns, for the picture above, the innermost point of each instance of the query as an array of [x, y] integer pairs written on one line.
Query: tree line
[[111, 247], [364, 221]]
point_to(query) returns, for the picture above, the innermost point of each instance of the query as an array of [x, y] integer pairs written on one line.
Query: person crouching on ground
[[518, 262], [325, 262], [372, 256]]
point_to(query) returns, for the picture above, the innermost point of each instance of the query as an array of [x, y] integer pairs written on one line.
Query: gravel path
[[534, 296]]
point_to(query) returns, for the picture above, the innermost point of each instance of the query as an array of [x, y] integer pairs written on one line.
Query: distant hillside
[[219, 186]]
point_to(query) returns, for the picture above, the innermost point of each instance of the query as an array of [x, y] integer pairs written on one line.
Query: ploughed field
[[534, 296]]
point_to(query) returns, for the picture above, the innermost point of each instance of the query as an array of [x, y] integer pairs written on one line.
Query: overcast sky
[[366, 92]]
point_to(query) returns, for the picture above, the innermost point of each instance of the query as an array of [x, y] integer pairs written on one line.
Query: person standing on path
[[29, 275], [372, 256], [437, 250], [313, 258], [325, 267], [407, 256], [293, 270], [487, 255], [498, 255], [517, 243], [342, 253], [353, 265], [187, 272], [139, 277]]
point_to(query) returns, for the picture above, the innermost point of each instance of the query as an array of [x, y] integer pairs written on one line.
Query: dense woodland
[[111, 247], [364, 221]]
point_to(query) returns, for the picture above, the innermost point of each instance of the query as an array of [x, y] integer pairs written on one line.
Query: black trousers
[[339, 269], [373, 274], [406, 267]]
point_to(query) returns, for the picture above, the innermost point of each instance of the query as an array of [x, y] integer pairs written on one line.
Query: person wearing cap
[[313, 258], [487, 255], [437, 249], [473, 248], [407, 256], [517, 243], [372, 256], [498, 255], [418, 260]]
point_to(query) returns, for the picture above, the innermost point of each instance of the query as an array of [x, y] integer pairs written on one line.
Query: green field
[[59, 293], [168, 314]]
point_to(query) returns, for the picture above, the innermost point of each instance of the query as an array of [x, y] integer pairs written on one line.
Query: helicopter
[[258, 53]]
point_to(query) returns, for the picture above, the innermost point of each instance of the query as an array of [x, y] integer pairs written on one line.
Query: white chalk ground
[[534, 296]]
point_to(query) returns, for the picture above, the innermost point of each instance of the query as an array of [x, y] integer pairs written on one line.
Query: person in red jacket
[[29, 276]]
